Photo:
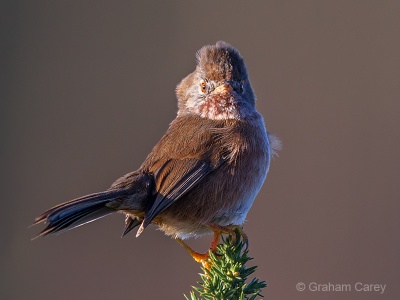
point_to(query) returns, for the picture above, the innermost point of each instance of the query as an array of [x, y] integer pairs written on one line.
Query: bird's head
[[219, 88]]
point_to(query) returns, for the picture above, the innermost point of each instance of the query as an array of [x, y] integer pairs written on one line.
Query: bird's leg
[[199, 257], [218, 231], [230, 229], [215, 241], [203, 257]]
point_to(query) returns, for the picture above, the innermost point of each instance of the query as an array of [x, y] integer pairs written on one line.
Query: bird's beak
[[224, 88]]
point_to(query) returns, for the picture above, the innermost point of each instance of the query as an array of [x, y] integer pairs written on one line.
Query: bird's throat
[[220, 107]]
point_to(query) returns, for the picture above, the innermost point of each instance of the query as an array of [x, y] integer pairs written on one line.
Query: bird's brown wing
[[189, 151], [173, 179]]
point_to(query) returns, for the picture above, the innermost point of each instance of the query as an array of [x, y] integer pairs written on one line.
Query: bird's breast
[[243, 179], [225, 196]]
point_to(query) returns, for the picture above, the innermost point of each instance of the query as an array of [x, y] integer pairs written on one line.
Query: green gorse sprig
[[227, 274]]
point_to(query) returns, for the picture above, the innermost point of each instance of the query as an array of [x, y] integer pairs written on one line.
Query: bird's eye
[[203, 86]]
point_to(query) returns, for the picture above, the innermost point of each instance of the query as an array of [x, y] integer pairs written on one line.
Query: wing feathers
[[175, 178]]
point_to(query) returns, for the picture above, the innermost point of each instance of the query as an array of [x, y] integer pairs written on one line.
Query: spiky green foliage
[[226, 278]]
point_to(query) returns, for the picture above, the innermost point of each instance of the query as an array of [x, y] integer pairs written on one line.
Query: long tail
[[77, 212]]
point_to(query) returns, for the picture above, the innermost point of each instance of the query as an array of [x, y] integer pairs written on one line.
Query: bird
[[203, 175]]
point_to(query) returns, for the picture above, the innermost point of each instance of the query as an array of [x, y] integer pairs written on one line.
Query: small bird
[[204, 173]]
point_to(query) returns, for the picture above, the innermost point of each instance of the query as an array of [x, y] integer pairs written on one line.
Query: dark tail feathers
[[77, 212]]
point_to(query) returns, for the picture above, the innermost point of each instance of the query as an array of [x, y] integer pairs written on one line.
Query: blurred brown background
[[87, 89]]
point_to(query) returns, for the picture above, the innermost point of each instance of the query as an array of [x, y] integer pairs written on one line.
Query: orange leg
[[218, 231], [230, 229], [202, 257]]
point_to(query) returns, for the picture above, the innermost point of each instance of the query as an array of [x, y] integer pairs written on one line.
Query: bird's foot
[[231, 230], [199, 257], [203, 257], [218, 230]]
